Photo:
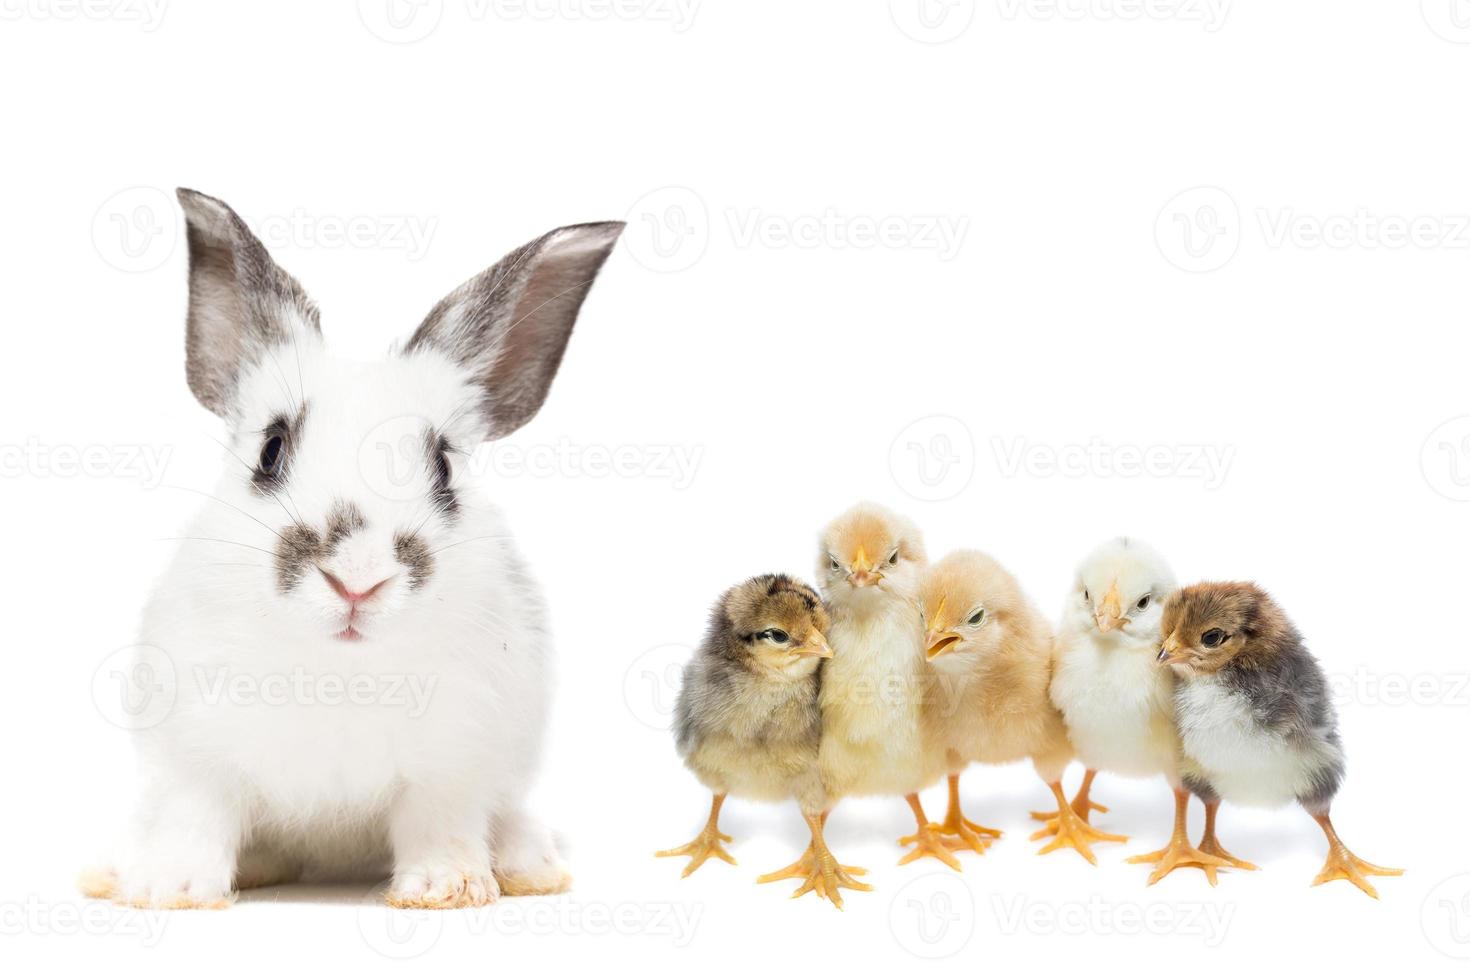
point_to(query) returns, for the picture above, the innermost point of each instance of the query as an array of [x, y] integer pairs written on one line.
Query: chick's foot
[[926, 840], [1345, 865], [1082, 805], [964, 834], [819, 870], [1067, 829], [707, 845]]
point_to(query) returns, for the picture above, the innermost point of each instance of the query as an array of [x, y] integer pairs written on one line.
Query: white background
[[1300, 320]]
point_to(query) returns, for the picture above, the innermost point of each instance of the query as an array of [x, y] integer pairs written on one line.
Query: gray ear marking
[[240, 302], [510, 324]]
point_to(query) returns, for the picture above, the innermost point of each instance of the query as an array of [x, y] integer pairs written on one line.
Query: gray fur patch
[[301, 548], [413, 554], [240, 302], [509, 326]]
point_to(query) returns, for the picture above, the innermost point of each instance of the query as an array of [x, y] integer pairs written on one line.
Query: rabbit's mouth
[[350, 633]]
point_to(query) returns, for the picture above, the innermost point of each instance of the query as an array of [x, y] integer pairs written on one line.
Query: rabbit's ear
[[240, 302], [510, 324]]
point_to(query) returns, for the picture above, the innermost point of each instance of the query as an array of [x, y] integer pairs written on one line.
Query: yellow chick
[[873, 690], [993, 654]]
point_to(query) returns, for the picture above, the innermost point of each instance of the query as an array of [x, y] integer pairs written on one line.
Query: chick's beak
[[939, 642], [815, 646], [863, 573], [1170, 653], [1109, 615]]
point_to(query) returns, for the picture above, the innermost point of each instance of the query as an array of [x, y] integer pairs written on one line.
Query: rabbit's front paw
[[444, 888], [168, 886]]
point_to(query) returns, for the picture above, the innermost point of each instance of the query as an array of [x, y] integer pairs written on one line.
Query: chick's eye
[[776, 636], [833, 564], [1213, 638], [976, 618], [893, 558], [1144, 601], [270, 455], [1086, 596]]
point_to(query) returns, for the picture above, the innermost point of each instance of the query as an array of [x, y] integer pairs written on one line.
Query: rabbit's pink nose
[[353, 596]]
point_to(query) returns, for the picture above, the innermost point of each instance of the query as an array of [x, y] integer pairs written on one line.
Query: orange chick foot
[[1212, 847], [1069, 830], [701, 849], [1179, 854], [820, 873], [928, 843], [1344, 864]]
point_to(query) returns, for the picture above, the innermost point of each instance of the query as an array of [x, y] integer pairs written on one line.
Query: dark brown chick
[[1256, 722]]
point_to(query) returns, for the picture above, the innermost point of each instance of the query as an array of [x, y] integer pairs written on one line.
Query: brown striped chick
[[870, 563], [993, 652], [747, 719]]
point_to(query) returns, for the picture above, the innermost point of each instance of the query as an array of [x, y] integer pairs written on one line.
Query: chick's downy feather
[[1117, 703], [1253, 707], [992, 655], [747, 720], [873, 689]]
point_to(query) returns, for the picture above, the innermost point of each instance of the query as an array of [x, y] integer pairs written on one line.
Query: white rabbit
[[357, 662]]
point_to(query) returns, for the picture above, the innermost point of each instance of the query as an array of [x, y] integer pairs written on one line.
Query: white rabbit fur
[[290, 750]]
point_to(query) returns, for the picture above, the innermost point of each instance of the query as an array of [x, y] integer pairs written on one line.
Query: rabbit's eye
[[441, 474], [441, 471], [270, 455]]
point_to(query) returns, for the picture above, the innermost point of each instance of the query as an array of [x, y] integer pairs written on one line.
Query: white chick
[[1117, 703]]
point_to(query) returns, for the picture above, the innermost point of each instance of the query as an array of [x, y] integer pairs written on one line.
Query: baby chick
[[1255, 720], [992, 651], [873, 692], [747, 718], [1118, 705]]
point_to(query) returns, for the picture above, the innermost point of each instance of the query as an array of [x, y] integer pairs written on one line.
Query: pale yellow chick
[[873, 690]]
